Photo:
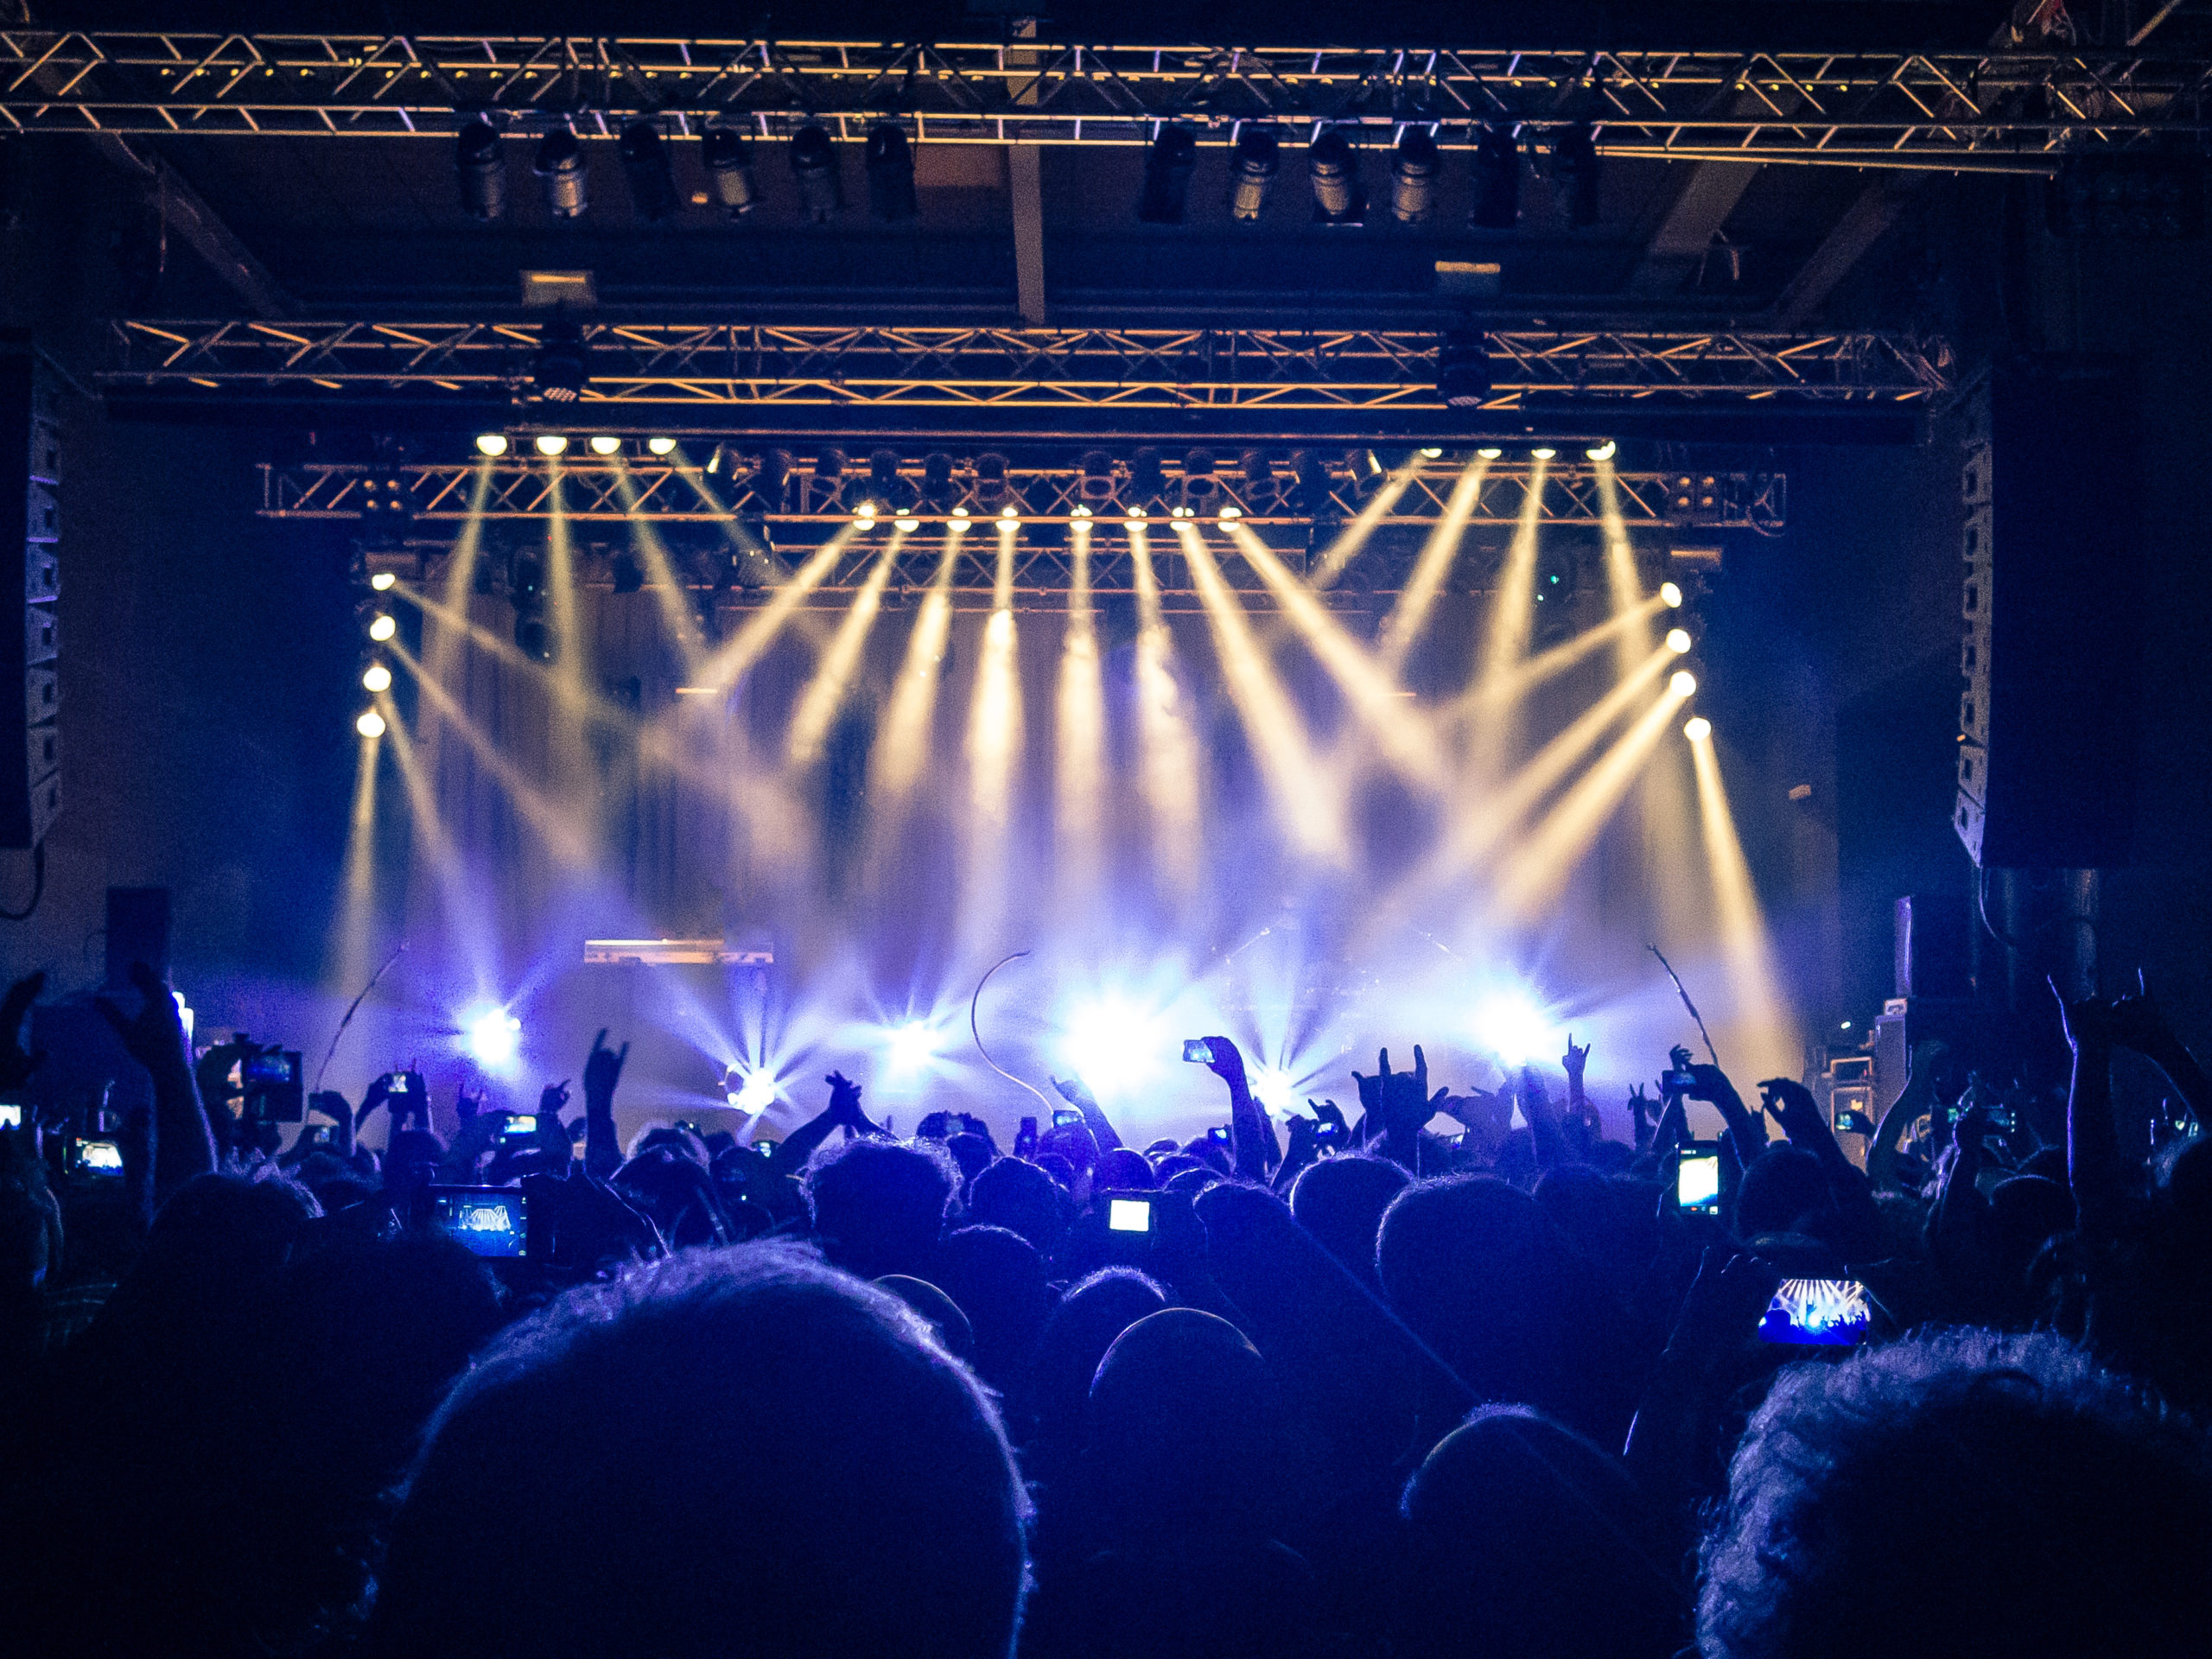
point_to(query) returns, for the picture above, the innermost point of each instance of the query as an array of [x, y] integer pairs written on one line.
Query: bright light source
[[1232, 512], [491, 443], [910, 1048], [552, 443], [1684, 682], [377, 678], [606, 443], [866, 510], [1697, 729], [1115, 1045], [382, 581], [1544, 454], [960, 513], [1078, 510], [383, 628], [1678, 640], [749, 1091], [1489, 451], [661, 446], [1671, 594], [1431, 454], [1009, 513], [906, 526], [1179, 512], [493, 1037], [1600, 451], [1512, 1025], [1273, 1087], [1137, 512], [371, 724]]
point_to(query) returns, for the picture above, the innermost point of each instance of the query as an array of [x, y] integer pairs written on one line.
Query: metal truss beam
[[2001, 110], [707, 366], [673, 493]]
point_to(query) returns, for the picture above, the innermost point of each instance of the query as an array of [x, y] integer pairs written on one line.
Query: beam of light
[[833, 674], [994, 750], [1505, 642], [441, 644], [1306, 799], [569, 847], [1401, 732], [1513, 1026], [1407, 617], [1765, 1035], [1079, 757], [1115, 1043], [1569, 653], [1539, 870], [493, 1037], [356, 943], [676, 618], [570, 761], [1168, 750], [746, 646], [902, 749], [1353, 537], [464, 914]]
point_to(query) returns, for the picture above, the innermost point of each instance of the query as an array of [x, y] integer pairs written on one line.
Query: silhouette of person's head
[[1017, 1195], [879, 1205], [1124, 1170], [1959, 1492], [1781, 1188], [1341, 1200], [1524, 1538], [997, 1279], [750, 1408], [1076, 1337]]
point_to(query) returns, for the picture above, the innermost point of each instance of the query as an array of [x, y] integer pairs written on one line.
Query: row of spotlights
[[495, 444]]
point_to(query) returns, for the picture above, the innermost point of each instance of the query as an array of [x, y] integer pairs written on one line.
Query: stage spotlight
[[1512, 1027], [1259, 485], [890, 164], [1463, 376], [770, 478], [660, 445], [906, 526], [1251, 169], [479, 160], [991, 478], [1011, 512], [1600, 451], [814, 164], [1200, 486], [551, 443], [1574, 171], [1678, 641], [560, 368], [727, 157], [376, 678], [644, 164], [493, 1037], [1114, 1044], [1315, 483], [755, 1090], [1167, 167], [1273, 1087], [559, 165], [629, 575], [1098, 480], [1334, 167], [1697, 729], [1670, 595], [866, 510], [1683, 685], [1147, 475], [1543, 452], [384, 582], [884, 483], [1369, 474], [1412, 175], [1496, 180], [911, 1047], [937, 486], [382, 627], [1431, 454], [1489, 451], [829, 475], [493, 444], [606, 443], [371, 724]]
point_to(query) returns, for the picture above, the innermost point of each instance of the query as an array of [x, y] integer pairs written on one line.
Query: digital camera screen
[[11, 1116], [100, 1157], [1697, 1181], [267, 1069], [1129, 1215], [521, 1124], [488, 1223], [1826, 1313]]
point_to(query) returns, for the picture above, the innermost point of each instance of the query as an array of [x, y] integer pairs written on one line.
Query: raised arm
[[2094, 1166], [155, 1038], [1252, 1141], [2140, 1024], [1078, 1094], [1914, 1101], [602, 1072]]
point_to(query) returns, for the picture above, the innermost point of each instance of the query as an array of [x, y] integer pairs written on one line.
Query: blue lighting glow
[[493, 1037]]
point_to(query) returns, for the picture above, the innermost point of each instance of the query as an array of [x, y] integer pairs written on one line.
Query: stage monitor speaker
[[2048, 721], [30, 583]]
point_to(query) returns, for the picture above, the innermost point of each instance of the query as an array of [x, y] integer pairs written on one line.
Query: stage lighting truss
[[1037, 370], [2012, 111]]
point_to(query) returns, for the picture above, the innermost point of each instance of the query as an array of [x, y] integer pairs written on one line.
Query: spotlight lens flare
[[1684, 684], [383, 581], [606, 443], [1600, 451], [750, 1091], [1544, 454], [1114, 1044], [493, 1037], [1671, 594], [378, 679], [909, 1048], [493, 444], [1697, 729], [661, 446], [1273, 1087], [382, 627], [371, 724], [1678, 640], [1513, 1026], [552, 443]]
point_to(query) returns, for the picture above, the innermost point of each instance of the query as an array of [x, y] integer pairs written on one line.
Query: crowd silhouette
[[1306, 1385]]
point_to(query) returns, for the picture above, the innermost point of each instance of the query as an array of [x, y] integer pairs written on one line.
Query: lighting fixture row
[[492, 445]]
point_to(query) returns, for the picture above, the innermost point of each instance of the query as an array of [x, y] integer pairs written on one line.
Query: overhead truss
[[679, 491], [710, 365], [2012, 110]]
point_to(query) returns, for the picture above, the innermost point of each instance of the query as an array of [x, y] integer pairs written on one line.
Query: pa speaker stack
[[30, 583]]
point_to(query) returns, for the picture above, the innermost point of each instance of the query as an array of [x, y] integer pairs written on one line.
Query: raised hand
[[1077, 1093], [1575, 1059], [1793, 1107], [552, 1098], [2138, 1021], [2088, 1023], [845, 1100], [603, 1070], [1722, 1310], [154, 1035], [1227, 1061]]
